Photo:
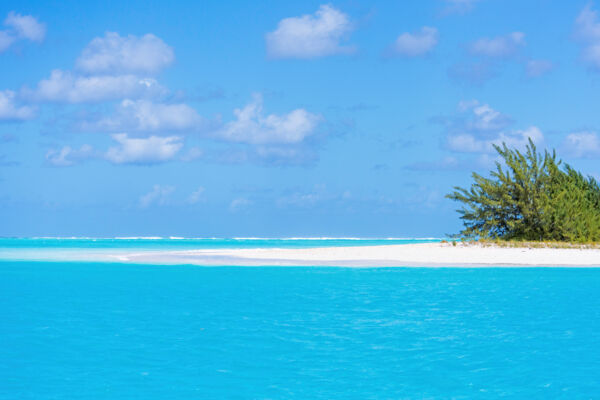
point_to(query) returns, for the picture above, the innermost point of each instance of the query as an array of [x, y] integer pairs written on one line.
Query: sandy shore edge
[[404, 255]]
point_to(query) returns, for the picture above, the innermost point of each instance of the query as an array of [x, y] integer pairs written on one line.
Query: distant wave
[[216, 238]]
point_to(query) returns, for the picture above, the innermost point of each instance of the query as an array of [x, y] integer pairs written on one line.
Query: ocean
[[97, 330]]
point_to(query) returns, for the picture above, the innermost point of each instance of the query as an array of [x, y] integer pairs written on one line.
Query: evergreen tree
[[530, 196]]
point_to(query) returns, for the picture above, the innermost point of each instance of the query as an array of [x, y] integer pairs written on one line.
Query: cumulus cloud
[[64, 86], [26, 26], [416, 43], [310, 36], [159, 195], [21, 27], [150, 150], [582, 144], [147, 116], [587, 30], [10, 110], [109, 68], [115, 54], [501, 46], [251, 126], [535, 68], [68, 156]]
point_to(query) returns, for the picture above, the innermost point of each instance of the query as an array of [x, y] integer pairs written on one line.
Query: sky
[[278, 119]]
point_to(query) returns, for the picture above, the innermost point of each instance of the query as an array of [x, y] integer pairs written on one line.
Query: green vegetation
[[530, 197]]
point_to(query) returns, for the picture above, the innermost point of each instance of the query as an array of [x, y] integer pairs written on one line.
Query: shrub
[[530, 196]]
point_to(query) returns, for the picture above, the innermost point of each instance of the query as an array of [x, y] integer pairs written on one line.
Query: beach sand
[[407, 255]]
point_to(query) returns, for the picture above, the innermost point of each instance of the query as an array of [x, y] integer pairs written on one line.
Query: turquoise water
[[121, 331], [91, 249]]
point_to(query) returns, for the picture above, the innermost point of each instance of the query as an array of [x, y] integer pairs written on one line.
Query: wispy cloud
[[587, 31], [196, 196], [147, 116], [310, 36], [68, 156], [21, 27], [500, 46], [467, 143], [458, 6], [478, 127], [585, 144], [473, 73], [239, 204], [416, 43], [485, 58], [11, 110], [159, 195], [536, 68]]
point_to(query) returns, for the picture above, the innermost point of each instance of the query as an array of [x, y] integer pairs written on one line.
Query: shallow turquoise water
[[118, 331], [91, 249]]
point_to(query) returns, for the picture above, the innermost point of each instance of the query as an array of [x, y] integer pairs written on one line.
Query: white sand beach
[[407, 255]]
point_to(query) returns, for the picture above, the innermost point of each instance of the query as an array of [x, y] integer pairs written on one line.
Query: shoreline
[[434, 255]]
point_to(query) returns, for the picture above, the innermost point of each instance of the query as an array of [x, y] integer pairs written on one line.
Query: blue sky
[[280, 118]]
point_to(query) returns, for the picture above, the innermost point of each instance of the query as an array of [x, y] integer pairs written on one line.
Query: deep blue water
[[118, 331]]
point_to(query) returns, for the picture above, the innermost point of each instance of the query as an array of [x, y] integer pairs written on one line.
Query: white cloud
[[147, 116], [417, 43], [469, 143], [475, 73], [64, 86], [196, 196], [159, 195], [459, 6], [582, 144], [479, 127], [239, 204], [115, 54], [6, 40], [501, 46], [482, 117], [150, 150], [310, 36], [299, 199], [26, 26], [317, 195], [251, 126], [192, 154], [68, 156], [535, 68], [587, 29], [21, 27], [110, 68], [9, 110]]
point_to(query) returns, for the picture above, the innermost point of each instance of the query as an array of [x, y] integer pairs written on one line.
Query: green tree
[[530, 196]]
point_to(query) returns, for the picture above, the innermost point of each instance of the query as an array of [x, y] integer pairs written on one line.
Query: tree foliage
[[530, 196]]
